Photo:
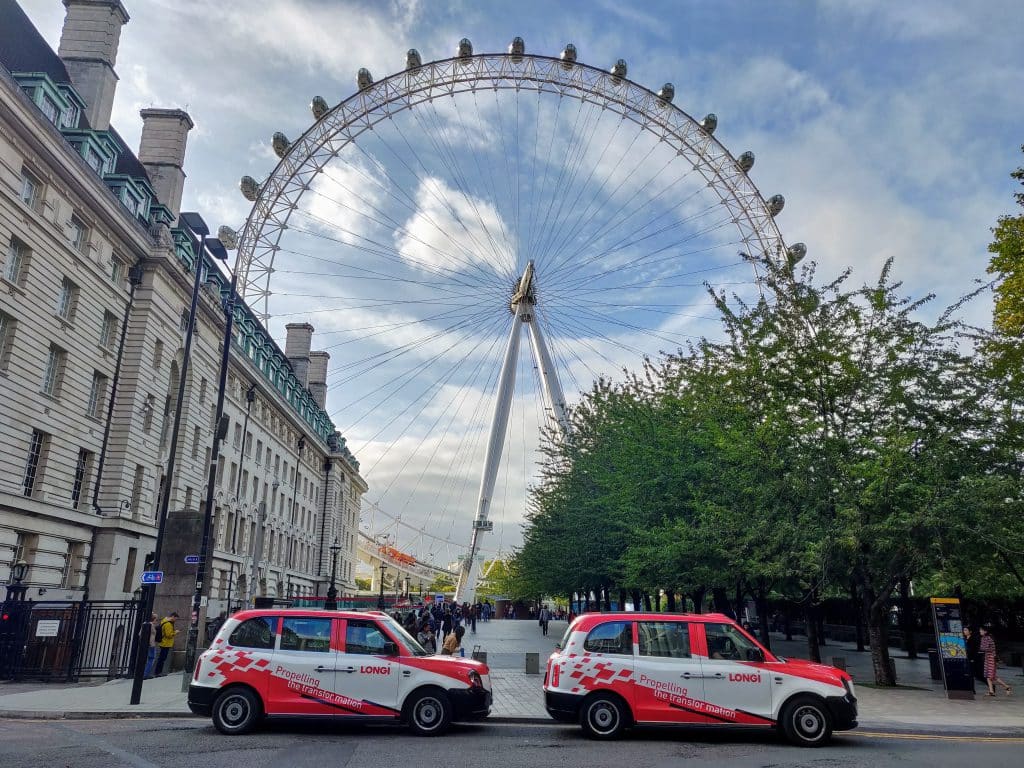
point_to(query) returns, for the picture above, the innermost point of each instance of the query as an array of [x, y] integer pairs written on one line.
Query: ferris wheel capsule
[[249, 187], [568, 56], [618, 70], [796, 252], [517, 48], [280, 144], [319, 107], [364, 79], [745, 161], [465, 48], [667, 93], [709, 123], [413, 59], [775, 204]]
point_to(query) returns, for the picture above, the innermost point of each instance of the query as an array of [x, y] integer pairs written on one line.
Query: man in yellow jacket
[[165, 641]]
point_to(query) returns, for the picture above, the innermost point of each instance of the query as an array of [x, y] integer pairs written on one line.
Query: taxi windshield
[[405, 638]]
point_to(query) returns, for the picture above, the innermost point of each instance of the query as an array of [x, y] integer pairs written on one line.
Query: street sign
[[957, 676], [152, 577], [192, 559], [438, 599]]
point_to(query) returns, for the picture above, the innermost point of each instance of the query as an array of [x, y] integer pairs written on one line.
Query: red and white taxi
[[341, 665], [614, 670]]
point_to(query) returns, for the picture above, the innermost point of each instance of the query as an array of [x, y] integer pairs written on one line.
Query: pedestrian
[[151, 651], [453, 642], [426, 637], [974, 658], [214, 625], [474, 611], [446, 624], [543, 618], [987, 646], [165, 641]]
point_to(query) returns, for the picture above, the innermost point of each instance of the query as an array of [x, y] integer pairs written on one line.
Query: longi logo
[[744, 677], [375, 670]]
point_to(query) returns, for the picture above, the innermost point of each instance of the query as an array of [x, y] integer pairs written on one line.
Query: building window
[[237, 441], [67, 300], [36, 458], [25, 545], [31, 189], [97, 394], [69, 117], [72, 564], [82, 468], [116, 267], [92, 157], [158, 355], [53, 376], [147, 413], [259, 451], [7, 324], [202, 391], [16, 266], [107, 330], [248, 445], [129, 570], [195, 442], [79, 234], [136, 497]]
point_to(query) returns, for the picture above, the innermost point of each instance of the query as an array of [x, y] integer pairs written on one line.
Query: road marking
[[936, 737], [130, 758]]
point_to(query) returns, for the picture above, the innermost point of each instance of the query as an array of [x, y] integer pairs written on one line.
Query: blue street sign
[[152, 577], [192, 559]]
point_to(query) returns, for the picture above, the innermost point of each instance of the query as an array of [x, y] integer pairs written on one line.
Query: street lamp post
[[219, 251], [381, 604], [194, 222], [331, 604], [16, 590]]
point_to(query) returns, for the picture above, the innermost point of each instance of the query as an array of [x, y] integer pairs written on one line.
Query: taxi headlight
[[474, 679]]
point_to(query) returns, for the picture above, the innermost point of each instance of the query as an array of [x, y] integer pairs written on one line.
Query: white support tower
[[523, 302]]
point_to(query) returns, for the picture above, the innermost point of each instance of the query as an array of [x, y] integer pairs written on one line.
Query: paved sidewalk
[[919, 704]]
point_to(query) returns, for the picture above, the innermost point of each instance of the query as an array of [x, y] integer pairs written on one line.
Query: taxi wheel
[[430, 713], [603, 716], [236, 711], [806, 722]]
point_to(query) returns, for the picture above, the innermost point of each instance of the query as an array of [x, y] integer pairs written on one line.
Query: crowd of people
[[441, 626]]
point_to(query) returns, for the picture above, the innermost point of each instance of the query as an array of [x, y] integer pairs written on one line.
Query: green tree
[[1007, 263]]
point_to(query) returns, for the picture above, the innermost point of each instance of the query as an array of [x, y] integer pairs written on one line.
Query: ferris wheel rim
[[285, 181]]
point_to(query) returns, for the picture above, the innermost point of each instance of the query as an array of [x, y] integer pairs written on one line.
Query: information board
[[949, 639], [47, 627]]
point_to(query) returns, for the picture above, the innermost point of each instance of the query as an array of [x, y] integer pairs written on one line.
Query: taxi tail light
[[474, 679], [199, 663], [554, 675]]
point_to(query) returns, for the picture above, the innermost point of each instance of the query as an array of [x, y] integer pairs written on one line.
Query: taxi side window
[[254, 633], [728, 643], [611, 637], [362, 636], [666, 639], [306, 634]]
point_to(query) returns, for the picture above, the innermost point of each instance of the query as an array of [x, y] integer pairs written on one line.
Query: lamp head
[[216, 247], [195, 223], [18, 571]]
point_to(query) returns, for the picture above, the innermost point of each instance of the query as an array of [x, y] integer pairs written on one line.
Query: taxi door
[[369, 670], [302, 669], [668, 676], [736, 690]]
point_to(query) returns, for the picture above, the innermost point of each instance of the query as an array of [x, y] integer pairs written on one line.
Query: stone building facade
[[95, 286]]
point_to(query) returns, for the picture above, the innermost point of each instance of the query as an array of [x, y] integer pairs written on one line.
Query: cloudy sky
[[890, 128]]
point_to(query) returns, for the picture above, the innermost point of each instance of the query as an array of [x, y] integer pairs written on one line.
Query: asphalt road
[[185, 742]]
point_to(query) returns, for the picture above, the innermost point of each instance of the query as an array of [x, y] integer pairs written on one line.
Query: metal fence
[[65, 641]]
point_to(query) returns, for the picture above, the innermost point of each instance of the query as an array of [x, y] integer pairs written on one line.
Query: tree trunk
[[821, 626], [697, 596], [907, 623], [858, 620], [721, 602], [586, 599], [636, 599], [811, 623], [787, 623], [671, 599], [761, 602], [622, 599], [647, 602], [876, 617]]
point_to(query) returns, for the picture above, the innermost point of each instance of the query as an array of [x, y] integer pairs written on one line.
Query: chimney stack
[[318, 376], [88, 47], [296, 349], [162, 152]]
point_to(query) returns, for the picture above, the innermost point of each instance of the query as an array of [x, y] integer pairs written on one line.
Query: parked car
[[335, 665], [612, 671]]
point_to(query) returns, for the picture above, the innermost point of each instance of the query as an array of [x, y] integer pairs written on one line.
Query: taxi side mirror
[[558, 646], [755, 654], [390, 648]]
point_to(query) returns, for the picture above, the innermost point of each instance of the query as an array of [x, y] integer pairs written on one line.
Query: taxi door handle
[[716, 676], [324, 669], [406, 673], [691, 676], [350, 670]]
